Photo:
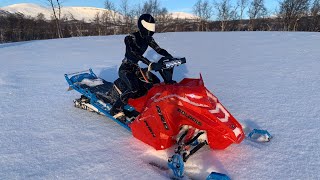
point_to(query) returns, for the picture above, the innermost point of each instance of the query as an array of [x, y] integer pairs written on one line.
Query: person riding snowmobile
[[136, 45]]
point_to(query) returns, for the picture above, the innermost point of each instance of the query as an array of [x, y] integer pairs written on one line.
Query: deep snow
[[267, 80]]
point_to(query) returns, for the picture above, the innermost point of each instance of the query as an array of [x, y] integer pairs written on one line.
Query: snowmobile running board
[[104, 108]]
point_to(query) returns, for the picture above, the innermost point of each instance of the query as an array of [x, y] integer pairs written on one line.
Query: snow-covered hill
[[182, 15], [79, 13], [267, 80]]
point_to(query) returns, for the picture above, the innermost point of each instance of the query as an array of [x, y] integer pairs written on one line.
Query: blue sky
[[171, 5]]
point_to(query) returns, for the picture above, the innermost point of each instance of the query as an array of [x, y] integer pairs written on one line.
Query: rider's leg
[[129, 78], [167, 75]]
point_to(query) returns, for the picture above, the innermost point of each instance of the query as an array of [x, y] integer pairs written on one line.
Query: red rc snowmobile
[[164, 114]]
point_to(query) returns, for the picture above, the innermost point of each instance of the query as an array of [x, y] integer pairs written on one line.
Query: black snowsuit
[[136, 45]]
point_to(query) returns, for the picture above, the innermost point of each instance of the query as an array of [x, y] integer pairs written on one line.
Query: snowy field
[[267, 80]]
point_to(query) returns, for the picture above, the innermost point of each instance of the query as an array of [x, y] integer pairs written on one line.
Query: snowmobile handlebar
[[168, 63]]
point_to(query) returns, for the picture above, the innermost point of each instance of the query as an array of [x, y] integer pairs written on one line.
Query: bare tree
[[40, 17], [315, 8], [203, 9], [226, 13], [163, 16], [79, 26], [109, 5], [315, 13], [97, 23], [242, 4], [124, 7], [291, 11], [138, 10], [152, 7], [164, 20], [257, 11], [56, 10], [110, 18], [124, 10]]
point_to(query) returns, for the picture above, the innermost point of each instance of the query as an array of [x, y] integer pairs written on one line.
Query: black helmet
[[146, 25]]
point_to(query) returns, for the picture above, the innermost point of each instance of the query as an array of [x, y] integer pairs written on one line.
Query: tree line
[[252, 15], [217, 15]]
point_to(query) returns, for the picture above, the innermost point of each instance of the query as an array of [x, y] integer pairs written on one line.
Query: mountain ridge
[[87, 14]]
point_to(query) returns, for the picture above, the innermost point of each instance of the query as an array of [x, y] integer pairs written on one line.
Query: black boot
[[117, 111]]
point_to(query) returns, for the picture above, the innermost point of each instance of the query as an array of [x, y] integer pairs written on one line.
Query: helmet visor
[[149, 26]]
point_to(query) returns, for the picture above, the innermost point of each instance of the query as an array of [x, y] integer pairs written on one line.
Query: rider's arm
[[129, 41], [156, 47]]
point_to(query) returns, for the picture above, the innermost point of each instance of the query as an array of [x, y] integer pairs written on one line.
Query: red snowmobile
[[184, 113], [168, 108]]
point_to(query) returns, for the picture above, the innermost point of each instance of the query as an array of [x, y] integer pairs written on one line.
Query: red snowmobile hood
[[166, 108]]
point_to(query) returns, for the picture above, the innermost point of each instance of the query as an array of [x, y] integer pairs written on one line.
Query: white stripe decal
[[217, 110], [237, 131], [91, 107], [194, 96], [149, 26], [176, 96], [211, 96]]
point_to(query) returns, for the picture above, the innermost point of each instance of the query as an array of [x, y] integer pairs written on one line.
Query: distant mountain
[[80, 13], [3, 12], [183, 15]]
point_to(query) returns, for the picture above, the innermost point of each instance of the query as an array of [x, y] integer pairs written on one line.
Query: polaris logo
[[149, 128], [162, 118], [189, 117]]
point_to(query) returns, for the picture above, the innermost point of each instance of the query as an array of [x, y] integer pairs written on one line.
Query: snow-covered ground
[[267, 80]]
